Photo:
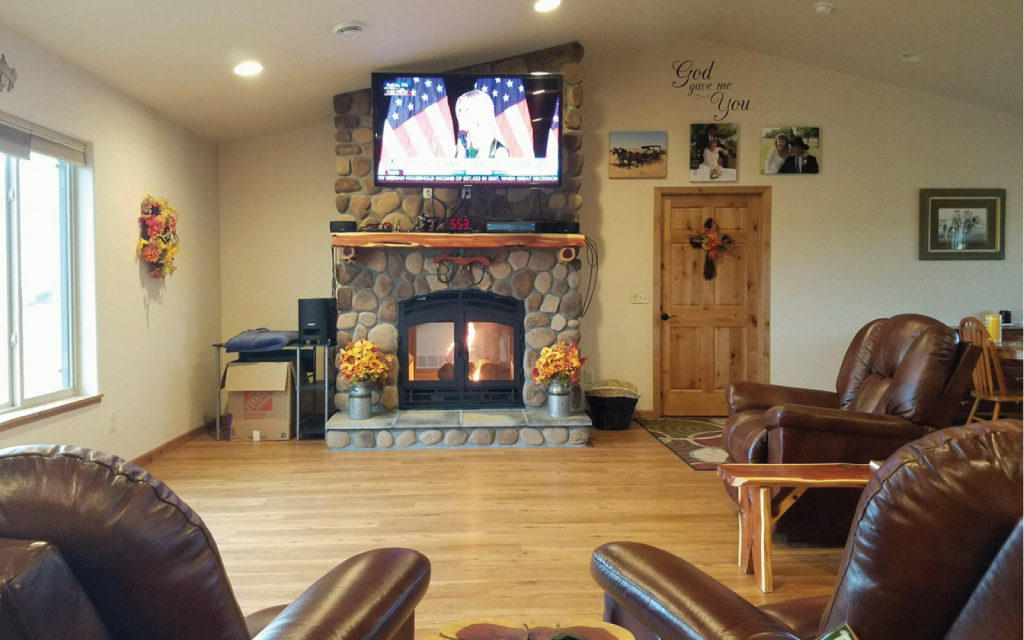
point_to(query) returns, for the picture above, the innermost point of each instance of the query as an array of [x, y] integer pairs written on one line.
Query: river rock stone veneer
[[371, 285]]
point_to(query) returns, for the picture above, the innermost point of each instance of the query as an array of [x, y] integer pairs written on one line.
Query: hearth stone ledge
[[457, 429]]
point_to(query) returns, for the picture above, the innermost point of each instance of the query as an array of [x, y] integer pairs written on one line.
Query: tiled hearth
[[481, 429]]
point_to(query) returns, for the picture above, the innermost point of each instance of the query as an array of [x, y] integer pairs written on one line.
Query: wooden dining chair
[[989, 383]]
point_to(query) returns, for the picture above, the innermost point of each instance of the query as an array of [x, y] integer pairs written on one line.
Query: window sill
[[21, 417]]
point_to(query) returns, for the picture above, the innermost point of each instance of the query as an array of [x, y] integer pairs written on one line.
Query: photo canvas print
[[713, 152], [638, 154], [790, 150]]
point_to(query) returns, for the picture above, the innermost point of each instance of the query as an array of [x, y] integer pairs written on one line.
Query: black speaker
[[318, 319]]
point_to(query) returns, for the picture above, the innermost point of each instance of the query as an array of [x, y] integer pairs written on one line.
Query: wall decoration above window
[[7, 75], [638, 154], [790, 150], [963, 224], [713, 152], [158, 228]]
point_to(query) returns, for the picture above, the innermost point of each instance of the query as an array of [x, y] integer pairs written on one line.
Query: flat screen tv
[[438, 130]]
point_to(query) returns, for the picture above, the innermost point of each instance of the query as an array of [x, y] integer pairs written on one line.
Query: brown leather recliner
[[93, 548], [935, 552], [902, 377]]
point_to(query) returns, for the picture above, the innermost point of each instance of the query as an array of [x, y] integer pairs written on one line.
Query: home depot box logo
[[260, 400], [257, 402]]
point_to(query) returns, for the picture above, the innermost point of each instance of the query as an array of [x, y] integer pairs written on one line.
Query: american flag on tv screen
[[552, 148], [419, 124], [509, 98]]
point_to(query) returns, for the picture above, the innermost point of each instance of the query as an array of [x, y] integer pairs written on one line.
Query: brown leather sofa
[[94, 548], [935, 552], [902, 377]]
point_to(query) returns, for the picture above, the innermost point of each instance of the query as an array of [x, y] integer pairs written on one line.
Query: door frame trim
[[764, 193]]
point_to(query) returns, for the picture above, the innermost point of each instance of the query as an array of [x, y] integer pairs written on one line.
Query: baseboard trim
[[150, 456], [646, 413]]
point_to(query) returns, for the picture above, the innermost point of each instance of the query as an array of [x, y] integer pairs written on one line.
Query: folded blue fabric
[[260, 340]]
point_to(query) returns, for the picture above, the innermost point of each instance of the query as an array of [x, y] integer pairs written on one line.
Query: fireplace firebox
[[460, 350]]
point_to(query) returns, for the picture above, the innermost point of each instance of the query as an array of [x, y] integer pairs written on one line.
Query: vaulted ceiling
[[177, 57]]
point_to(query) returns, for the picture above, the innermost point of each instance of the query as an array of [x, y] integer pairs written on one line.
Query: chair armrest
[[40, 598], [840, 421], [368, 597], [743, 395], [675, 599]]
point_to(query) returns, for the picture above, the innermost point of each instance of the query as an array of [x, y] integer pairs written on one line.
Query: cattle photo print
[[638, 154], [713, 152]]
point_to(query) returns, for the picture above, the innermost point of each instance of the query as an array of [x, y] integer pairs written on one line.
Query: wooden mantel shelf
[[459, 240]]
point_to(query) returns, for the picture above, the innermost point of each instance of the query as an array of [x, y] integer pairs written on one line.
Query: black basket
[[611, 414]]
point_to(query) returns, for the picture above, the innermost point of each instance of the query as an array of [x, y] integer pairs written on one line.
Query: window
[[36, 314]]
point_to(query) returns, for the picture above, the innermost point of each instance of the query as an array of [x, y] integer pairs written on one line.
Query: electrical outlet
[[113, 421], [428, 194], [588, 377], [255, 435], [640, 297], [467, 193]]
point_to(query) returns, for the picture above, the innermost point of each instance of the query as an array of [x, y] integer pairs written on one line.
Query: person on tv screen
[[479, 136]]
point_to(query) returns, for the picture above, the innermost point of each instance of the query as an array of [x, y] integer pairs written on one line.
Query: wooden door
[[717, 330]]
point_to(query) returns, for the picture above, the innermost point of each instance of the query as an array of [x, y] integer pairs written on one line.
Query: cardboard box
[[260, 400]]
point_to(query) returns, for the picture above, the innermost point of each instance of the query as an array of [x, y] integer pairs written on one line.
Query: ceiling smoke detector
[[348, 29], [824, 8]]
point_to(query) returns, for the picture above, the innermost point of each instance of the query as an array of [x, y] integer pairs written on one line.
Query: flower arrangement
[[363, 361], [158, 244], [560, 363], [709, 240]]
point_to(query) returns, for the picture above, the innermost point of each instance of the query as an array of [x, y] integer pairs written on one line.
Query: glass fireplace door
[[432, 352], [490, 347]]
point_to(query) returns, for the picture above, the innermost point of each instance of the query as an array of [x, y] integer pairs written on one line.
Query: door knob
[[665, 316]]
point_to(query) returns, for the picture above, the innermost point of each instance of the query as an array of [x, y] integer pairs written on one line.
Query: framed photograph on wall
[[638, 154], [963, 224], [790, 150], [713, 152]]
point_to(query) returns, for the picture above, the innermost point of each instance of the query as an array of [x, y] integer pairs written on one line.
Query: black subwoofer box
[[318, 318]]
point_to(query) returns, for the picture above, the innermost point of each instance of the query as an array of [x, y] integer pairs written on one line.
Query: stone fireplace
[[525, 285], [378, 276]]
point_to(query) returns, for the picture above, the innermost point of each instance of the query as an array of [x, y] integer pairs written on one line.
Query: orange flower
[[560, 363]]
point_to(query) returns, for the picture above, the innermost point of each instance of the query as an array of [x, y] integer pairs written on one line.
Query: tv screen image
[[466, 130]]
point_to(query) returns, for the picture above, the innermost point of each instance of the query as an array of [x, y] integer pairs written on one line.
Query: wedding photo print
[[638, 154], [713, 152], [790, 150]]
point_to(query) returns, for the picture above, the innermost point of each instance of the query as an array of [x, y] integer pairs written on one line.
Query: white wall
[[276, 203], [844, 243], [148, 343]]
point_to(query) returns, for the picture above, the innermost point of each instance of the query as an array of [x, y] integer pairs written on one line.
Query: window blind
[[18, 137]]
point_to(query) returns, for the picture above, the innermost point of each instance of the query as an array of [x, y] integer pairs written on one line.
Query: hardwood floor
[[509, 532]]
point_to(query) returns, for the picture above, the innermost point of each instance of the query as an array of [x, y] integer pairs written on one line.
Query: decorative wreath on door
[[711, 242]]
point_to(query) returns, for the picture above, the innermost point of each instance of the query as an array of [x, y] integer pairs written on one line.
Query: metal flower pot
[[360, 401], [558, 400]]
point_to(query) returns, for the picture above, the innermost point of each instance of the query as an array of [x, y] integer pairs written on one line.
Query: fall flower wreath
[[158, 226], [711, 242]]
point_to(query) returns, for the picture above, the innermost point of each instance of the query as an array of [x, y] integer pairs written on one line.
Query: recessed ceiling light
[[824, 8], [910, 57], [249, 68], [546, 5], [348, 29]]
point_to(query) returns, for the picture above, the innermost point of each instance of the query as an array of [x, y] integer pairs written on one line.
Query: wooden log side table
[[754, 483], [503, 629]]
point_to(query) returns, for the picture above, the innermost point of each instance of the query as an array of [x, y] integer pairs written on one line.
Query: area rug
[[697, 441]]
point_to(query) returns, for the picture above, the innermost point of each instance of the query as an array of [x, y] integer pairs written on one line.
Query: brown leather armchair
[[935, 552], [902, 377], [93, 548]]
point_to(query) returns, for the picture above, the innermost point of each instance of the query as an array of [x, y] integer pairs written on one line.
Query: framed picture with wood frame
[[963, 224]]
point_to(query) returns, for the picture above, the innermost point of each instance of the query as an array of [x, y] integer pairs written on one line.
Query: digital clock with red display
[[459, 225]]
